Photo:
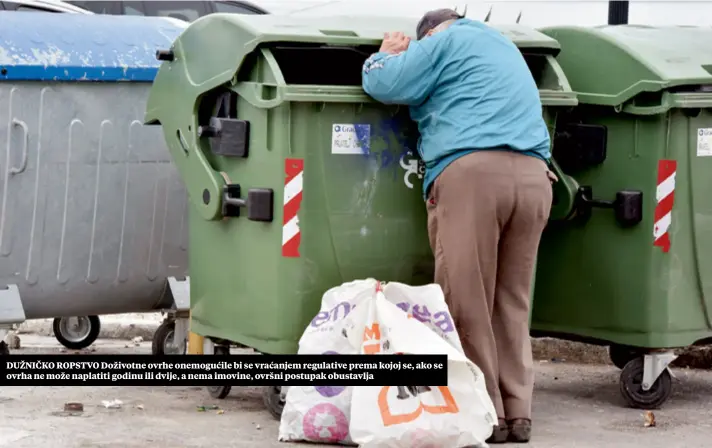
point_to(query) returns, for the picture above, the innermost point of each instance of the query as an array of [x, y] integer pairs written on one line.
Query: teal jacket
[[468, 88]]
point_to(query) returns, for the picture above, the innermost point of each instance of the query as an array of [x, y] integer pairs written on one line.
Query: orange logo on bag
[[448, 407], [372, 340]]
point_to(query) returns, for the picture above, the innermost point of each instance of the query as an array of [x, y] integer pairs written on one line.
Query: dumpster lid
[[679, 54], [525, 37], [78, 47], [624, 60], [368, 29]]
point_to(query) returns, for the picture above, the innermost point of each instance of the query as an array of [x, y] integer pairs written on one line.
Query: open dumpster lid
[[213, 48], [370, 29], [609, 65], [77, 47]]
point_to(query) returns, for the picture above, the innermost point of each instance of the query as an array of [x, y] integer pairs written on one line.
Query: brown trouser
[[486, 213]]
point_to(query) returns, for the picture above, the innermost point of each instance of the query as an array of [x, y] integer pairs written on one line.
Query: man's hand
[[552, 177], [394, 43]]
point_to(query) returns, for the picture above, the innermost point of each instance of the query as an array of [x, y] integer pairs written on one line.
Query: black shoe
[[519, 430], [500, 434]]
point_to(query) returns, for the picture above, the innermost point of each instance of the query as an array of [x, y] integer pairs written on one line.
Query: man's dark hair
[[434, 18]]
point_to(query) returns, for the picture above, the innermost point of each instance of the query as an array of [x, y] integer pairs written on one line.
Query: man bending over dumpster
[[487, 188]]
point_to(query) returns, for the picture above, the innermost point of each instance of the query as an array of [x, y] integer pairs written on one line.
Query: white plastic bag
[[321, 414], [409, 320], [457, 415]]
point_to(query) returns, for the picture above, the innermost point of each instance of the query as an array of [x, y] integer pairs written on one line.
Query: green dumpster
[[297, 180], [631, 271]]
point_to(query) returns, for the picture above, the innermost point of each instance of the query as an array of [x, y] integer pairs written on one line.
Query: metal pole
[[618, 12]]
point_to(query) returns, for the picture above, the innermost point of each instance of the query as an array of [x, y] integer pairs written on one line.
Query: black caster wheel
[[4, 349], [631, 385], [220, 392], [164, 340], [272, 396], [620, 355], [78, 332], [221, 350]]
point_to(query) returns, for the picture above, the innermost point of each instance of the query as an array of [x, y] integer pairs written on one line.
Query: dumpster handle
[[261, 95], [254, 93], [700, 100], [26, 142], [568, 188]]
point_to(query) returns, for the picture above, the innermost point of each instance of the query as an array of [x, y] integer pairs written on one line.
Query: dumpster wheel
[[4, 349], [163, 342], [220, 392], [631, 385], [272, 396], [76, 333], [620, 355]]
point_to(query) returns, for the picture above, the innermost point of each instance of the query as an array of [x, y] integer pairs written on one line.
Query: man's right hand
[[552, 177], [394, 43]]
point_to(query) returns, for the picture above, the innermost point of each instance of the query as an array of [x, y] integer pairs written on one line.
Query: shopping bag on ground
[[321, 414], [457, 415], [326, 414]]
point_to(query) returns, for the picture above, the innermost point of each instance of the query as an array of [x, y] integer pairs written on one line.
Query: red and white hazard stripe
[[293, 185], [665, 197]]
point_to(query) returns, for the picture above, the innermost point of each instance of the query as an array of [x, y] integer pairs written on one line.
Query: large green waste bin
[[297, 180], [636, 285]]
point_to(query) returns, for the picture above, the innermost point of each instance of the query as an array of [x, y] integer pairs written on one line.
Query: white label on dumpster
[[351, 139], [412, 167], [704, 142]]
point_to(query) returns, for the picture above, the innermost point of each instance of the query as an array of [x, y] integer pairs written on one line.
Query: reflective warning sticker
[[665, 198], [293, 185]]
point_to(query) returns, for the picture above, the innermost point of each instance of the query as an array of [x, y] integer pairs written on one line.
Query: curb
[[558, 350]]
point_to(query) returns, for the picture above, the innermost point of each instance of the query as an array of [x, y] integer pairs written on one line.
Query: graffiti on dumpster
[[384, 143], [412, 167]]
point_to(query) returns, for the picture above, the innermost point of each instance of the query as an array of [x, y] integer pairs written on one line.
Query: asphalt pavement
[[575, 406]]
